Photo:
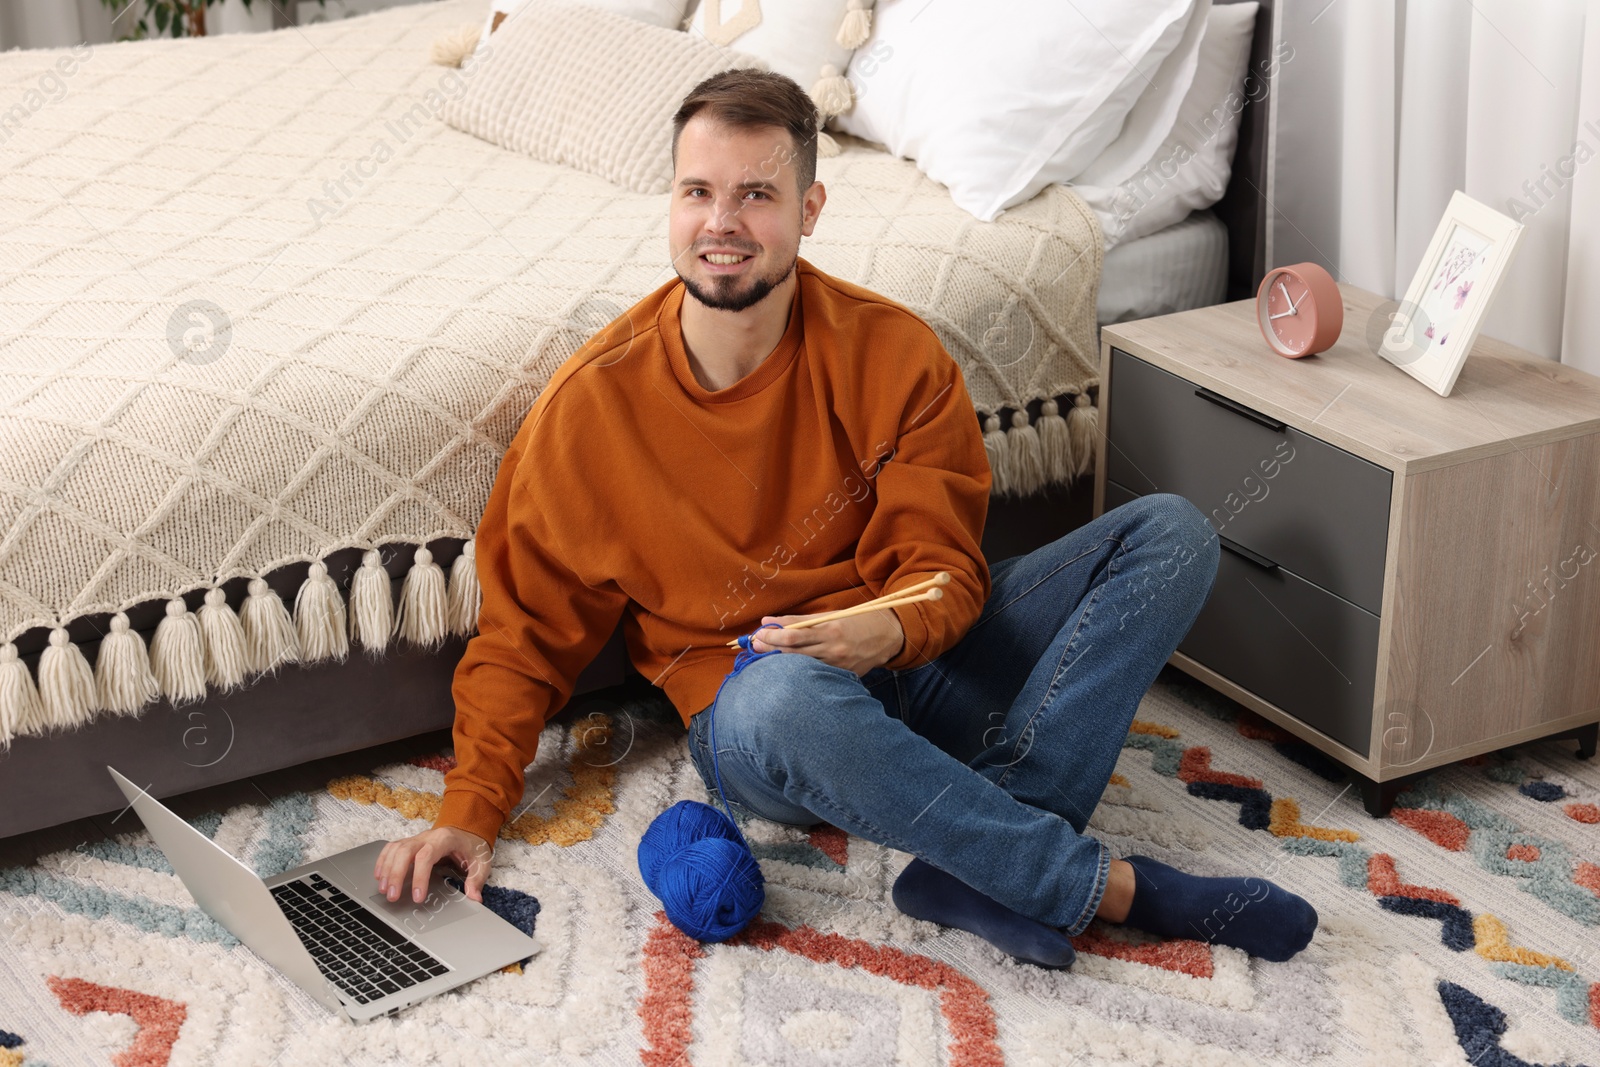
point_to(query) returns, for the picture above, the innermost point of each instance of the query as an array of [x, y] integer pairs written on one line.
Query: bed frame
[[304, 713], [1245, 207]]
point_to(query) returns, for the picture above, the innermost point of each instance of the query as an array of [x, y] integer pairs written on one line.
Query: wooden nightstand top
[[1505, 399]]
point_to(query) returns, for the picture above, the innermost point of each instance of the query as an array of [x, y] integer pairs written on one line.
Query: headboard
[[1244, 207]]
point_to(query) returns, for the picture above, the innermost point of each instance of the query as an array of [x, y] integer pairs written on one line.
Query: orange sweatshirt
[[848, 464]]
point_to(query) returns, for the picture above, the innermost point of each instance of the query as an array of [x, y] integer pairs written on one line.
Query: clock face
[[1288, 317]]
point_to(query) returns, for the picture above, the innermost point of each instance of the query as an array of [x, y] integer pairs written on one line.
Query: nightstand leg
[[1586, 736], [1378, 797]]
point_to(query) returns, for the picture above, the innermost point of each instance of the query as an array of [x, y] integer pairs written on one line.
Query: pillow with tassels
[[587, 89], [668, 14], [451, 49], [809, 40]]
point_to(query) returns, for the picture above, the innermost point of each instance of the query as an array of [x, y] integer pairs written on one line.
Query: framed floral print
[[1433, 331]]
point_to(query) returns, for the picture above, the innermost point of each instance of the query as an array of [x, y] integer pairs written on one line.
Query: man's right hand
[[412, 859]]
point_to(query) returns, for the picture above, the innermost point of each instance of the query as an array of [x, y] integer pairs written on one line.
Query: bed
[[1182, 266], [263, 339]]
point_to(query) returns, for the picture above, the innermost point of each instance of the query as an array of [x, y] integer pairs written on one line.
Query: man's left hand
[[858, 643]]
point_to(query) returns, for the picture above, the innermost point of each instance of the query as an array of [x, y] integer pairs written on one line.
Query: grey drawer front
[[1314, 509], [1288, 642]]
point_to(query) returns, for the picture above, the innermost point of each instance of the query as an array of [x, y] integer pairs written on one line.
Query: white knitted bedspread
[[396, 295]]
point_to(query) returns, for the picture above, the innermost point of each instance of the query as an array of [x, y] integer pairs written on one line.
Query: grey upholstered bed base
[[301, 714]]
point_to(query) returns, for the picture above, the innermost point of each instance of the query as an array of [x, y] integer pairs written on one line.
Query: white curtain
[[53, 23], [1385, 109]]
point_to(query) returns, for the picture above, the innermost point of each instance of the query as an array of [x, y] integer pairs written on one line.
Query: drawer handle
[[1239, 409], [1254, 557]]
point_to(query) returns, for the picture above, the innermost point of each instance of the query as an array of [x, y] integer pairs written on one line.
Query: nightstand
[[1407, 579]]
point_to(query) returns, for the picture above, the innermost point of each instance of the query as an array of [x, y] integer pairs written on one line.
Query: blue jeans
[[986, 762]]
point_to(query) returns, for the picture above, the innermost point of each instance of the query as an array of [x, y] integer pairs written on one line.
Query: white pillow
[[666, 13], [1190, 170], [997, 107], [805, 39], [1154, 113]]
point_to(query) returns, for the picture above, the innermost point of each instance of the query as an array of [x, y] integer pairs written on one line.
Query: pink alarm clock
[[1299, 309]]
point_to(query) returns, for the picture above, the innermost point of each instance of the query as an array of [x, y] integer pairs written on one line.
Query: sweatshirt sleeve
[[538, 627], [933, 498]]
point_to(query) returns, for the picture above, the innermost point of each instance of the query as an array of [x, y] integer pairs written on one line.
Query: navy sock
[[923, 891], [1249, 913]]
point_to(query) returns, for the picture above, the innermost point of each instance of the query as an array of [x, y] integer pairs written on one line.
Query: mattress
[[1183, 266]]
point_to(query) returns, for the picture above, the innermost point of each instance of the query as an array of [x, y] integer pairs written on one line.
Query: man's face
[[736, 217]]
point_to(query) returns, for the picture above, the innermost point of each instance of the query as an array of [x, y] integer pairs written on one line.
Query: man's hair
[[749, 99]]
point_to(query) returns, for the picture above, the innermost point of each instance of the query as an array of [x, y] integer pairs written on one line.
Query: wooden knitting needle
[[911, 594], [861, 609]]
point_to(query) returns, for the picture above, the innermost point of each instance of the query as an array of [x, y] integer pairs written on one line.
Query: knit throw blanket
[[260, 304]]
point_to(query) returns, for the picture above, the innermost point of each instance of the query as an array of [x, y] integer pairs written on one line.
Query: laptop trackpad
[[418, 920]]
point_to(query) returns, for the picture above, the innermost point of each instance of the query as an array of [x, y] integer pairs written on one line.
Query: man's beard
[[722, 296]]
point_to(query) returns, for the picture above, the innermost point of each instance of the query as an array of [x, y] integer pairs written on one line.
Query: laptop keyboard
[[356, 951]]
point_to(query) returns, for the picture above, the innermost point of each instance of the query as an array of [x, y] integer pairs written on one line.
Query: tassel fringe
[[226, 659], [449, 49], [269, 634], [466, 596], [423, 618], [1083, 424], [122, 672], [371, 606], [319, 618], [216, 647], [831, 93], [1027, 458], [1055, 443], [1050, 450], [994, 443], [66, 684], [856, 26], [177, 654], [20, 709]]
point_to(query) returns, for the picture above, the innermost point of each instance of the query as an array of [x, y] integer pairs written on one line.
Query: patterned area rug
[[1462, 931]]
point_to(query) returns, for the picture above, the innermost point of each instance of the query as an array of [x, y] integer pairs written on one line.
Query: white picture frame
[[1432, 334]]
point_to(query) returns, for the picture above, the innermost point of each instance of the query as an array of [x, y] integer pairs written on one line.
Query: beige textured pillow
[[589, 89]]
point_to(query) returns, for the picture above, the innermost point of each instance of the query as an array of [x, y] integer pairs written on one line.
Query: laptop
[[326, 927]]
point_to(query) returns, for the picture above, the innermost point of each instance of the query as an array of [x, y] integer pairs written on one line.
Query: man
[[763, 442]]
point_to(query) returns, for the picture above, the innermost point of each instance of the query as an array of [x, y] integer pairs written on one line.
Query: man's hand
[[413, 858], [858, 643]]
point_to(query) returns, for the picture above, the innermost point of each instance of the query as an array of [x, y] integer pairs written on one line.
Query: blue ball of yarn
[[686, 821], [695, 861]]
